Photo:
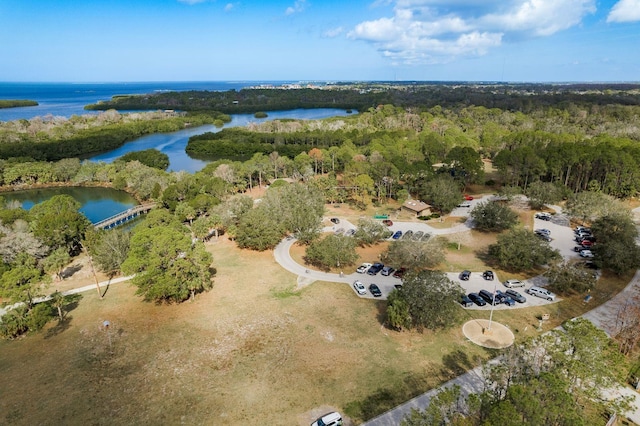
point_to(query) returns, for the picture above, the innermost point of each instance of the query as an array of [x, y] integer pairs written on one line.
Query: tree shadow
[[70, 270], [455, 364], [59, 328]]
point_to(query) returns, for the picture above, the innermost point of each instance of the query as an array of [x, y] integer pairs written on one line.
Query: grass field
[[253, 350]]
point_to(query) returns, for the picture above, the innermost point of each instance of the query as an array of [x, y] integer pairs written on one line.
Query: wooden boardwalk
[[125, 216]]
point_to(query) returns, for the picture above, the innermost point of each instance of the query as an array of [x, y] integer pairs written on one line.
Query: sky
[[320, 40]]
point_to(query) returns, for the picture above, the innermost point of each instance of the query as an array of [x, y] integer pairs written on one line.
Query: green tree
[[543, 193], [432, 300], [332, 251], [58, 223], [56, 261], [493, 216], [24, 281], [567, 278], [259, 229], [398, 315], [370, 232], [442, 193], [109, 249], [168, 266], [616, 247], [148, 157], [521, 250], [465, 164], [415, 255]]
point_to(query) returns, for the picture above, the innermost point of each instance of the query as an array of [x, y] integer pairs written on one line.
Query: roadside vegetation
[[243, 329]]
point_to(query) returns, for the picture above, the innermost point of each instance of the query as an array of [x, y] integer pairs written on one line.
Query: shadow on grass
[[383, 400], [59, 328], [455, 364]]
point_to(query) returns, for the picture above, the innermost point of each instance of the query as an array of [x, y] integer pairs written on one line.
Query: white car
[[543, 216], [359, 287], [586, 253], [363, 268], [513, 283], [464, 204]]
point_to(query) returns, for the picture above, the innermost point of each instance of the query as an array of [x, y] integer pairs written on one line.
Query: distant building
[[417, 208]]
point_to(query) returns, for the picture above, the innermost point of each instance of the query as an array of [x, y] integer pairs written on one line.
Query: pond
[[96, 203]]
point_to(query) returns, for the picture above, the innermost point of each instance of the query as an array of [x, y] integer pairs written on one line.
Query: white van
[[541, 292], [331, 419]]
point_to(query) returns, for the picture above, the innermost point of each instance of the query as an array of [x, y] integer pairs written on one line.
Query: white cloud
[[297, 7], [229, 7], [439, 30], [625, 11], [333, 32]]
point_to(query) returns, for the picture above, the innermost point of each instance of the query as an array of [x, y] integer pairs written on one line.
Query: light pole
[[493, 304]]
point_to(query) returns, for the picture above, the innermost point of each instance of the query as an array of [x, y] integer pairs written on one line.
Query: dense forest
[[524, 98]]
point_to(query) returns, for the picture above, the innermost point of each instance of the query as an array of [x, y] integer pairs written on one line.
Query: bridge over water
[[125, 216]]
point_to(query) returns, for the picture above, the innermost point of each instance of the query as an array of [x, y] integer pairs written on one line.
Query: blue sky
[[221, 40]]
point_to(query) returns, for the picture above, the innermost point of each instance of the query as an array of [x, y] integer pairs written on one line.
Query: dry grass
[[251, 351]]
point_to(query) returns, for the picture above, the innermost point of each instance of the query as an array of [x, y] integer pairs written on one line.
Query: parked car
[[418, 235], [541, 292], [582, 229], [513, 283], [544, 237], [359, 287], [586, 253], [425, 237], [465, 275], [543, 216], [475, 298], [375, 290], [386, 271], [543, 231], [468, 197], [465, 301], [375, 268], [363, 268], [350, 232], [399, 273], [578, 249], [464, 204], [488, 275], [515, 296], [331, 419], [387, 222], [489, 297], [586, 244], [397, 235], [505, 298], [407, 235], [335, 220]]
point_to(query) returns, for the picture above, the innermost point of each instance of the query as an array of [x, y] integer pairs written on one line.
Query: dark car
[[475, 298], [399, 273], [387, 222], [397, 235], [488, 275], [407, 235], [505, 298], [465, 301], [375, 268], [515, 296], [488, 297], [465, 275], [375, 290], [335, 220]]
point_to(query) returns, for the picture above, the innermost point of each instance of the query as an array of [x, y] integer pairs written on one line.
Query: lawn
[[253, 350]]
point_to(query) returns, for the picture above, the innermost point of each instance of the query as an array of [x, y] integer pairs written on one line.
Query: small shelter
[[416, 207]]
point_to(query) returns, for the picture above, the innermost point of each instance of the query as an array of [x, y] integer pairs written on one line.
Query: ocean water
[[67, 99]]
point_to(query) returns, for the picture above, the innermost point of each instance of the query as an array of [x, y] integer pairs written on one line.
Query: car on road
[[465, 275], [363, 268], [488, 275], [397, 235], [386, 271], [513, 283], [468, 197], [465, 301], [505, 298], [586, 253], [475, 298], [387, 222], [375, 268], [541, 292], [515, 295], [330, 419], [543, 231], [375, 290], [418, 235], [335, 220], [464, 204], [359, 287], [407, 235], [543, 216], [399, 273], [489, 297]]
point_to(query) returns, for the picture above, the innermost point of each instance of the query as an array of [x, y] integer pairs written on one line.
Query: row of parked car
[[410, 235], [375, 268], [508, 297]]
